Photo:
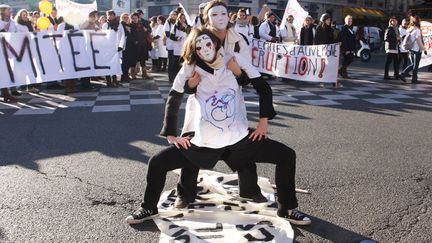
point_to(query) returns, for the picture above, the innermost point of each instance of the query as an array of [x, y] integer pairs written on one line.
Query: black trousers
[[264, 151], [347, 59], [171, 66], [125, 64], [404, 58], [392, 57]]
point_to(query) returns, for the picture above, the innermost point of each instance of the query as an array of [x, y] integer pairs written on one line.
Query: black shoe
[[387, 78], [408, 75], [402, 77], [141, 215], [256, 198], [181, 202], [294, 217]]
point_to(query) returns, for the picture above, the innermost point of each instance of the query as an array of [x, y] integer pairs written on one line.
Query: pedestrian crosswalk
[[138, 93]]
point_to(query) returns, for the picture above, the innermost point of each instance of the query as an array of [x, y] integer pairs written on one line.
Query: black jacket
[[348, 39], [390, 38], [324, 35], [307, 35]]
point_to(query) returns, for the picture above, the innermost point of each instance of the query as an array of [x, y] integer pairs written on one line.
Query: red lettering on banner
[[303, 66], [254, 50], [323, 66], [287, 64], [267, 61]]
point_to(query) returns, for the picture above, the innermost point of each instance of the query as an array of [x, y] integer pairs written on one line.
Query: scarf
[[242, 22], [113, 24], [218, 63]]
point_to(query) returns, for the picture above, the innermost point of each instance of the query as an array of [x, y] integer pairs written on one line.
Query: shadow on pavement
[[328, 231], [148, 225]]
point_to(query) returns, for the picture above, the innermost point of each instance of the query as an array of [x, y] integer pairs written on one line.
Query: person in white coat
[[268, 29], [7, 24], [288, 33], [243, 27], [154, 53], [199, 21], [169, 23], [163, 53], [114, 24], [178, 36]]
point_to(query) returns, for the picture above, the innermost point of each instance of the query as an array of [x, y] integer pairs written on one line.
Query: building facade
[[16, 5]]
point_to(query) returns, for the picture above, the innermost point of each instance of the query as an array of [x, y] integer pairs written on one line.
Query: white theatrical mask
[[205, 48], [218, 17]]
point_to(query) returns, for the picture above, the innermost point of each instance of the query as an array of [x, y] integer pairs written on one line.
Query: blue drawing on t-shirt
[[220, 109]]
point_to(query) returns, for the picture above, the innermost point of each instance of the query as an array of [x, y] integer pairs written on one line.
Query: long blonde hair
[[18, 15]]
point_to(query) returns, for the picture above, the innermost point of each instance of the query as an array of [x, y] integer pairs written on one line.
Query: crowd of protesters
[[161, 39]]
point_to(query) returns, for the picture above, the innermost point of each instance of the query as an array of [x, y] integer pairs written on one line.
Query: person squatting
[[216, 125]]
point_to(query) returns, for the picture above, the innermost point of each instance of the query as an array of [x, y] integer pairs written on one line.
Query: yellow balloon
[[45, 7], [43, 23]]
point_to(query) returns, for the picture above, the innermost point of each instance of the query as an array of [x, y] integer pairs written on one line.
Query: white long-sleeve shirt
[[121, 37], [218, 110], [264, 31]]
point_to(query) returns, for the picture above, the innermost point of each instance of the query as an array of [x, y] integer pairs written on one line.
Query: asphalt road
[[75, 175]]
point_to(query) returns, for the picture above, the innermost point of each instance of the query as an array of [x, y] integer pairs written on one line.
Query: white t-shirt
[[402, 32], [416, 35], [219, 112], [169, 42]]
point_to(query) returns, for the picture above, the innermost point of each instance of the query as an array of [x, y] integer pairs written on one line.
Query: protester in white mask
[[216, 19], [221, 136]]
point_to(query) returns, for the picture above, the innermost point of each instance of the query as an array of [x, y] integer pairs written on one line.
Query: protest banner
[[318, 63], [121, 6], [293, 8], [74, 13], [188, 18], [220, 215], [28, 58], [426, 28]]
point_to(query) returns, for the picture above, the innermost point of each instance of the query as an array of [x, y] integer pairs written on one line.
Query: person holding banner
[[416, 48], [348, 45], [324, 32], [55, 22], [114, 24], [90, 24], [216, 19], [221, 128], [7, 24], [288, 31], [268, 30], [307, 32]]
